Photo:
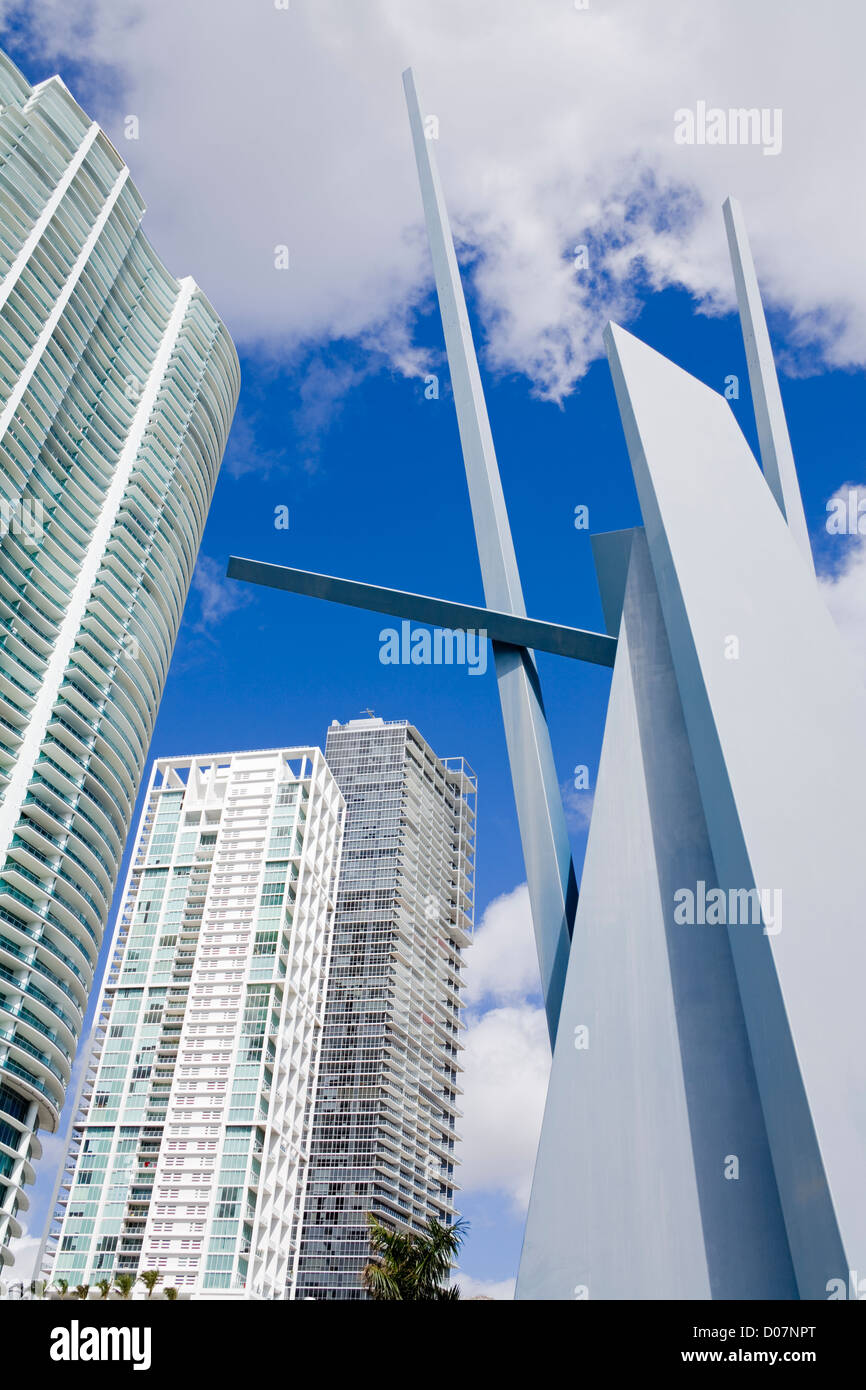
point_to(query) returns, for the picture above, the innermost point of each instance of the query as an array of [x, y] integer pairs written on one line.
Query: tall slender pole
[[543, 832], [777, 456]]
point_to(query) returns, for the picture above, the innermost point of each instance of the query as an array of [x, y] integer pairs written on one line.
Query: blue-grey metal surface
[[776, 723], [632, 1197], [611, 551], [509, 628]]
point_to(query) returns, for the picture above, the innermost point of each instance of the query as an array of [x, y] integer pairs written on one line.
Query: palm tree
[[104, 1286], [125, 1283], [408, 1265], [62, 1285], [170, 1292], [81, 1291], [150, 1278]]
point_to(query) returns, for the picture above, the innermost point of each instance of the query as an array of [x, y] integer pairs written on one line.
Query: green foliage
[[408, 1265], [81, 1291], [125, 1283], [171, 1292], [150, 1278], [104, 1286], [62, 1286]]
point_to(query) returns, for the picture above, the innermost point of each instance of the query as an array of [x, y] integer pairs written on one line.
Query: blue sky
[[333, 426]]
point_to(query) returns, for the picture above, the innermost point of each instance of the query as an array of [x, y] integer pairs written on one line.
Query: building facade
[[189, 1150], [117, 389], [386, 1114]]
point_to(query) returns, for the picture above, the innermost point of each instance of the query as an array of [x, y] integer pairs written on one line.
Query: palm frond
[[380, 1281], [410, 1264]]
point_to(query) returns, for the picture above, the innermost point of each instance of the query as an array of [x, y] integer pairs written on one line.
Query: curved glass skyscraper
[[117, 389]]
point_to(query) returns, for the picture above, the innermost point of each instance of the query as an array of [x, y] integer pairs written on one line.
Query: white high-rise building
[[189, 1151], [117, 389], [387, 1106]]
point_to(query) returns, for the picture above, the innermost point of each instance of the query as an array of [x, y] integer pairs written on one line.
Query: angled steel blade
[[777, 456], [544, 836], [506, 628]]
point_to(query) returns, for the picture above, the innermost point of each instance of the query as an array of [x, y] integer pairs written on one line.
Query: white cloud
[[484, 1288], [245, 454], [25, 1250], [577, 806], [260, 127], [507, 1053], [322, 394], [845, 589], [502, 963], [217, 595], [506, 1062]]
